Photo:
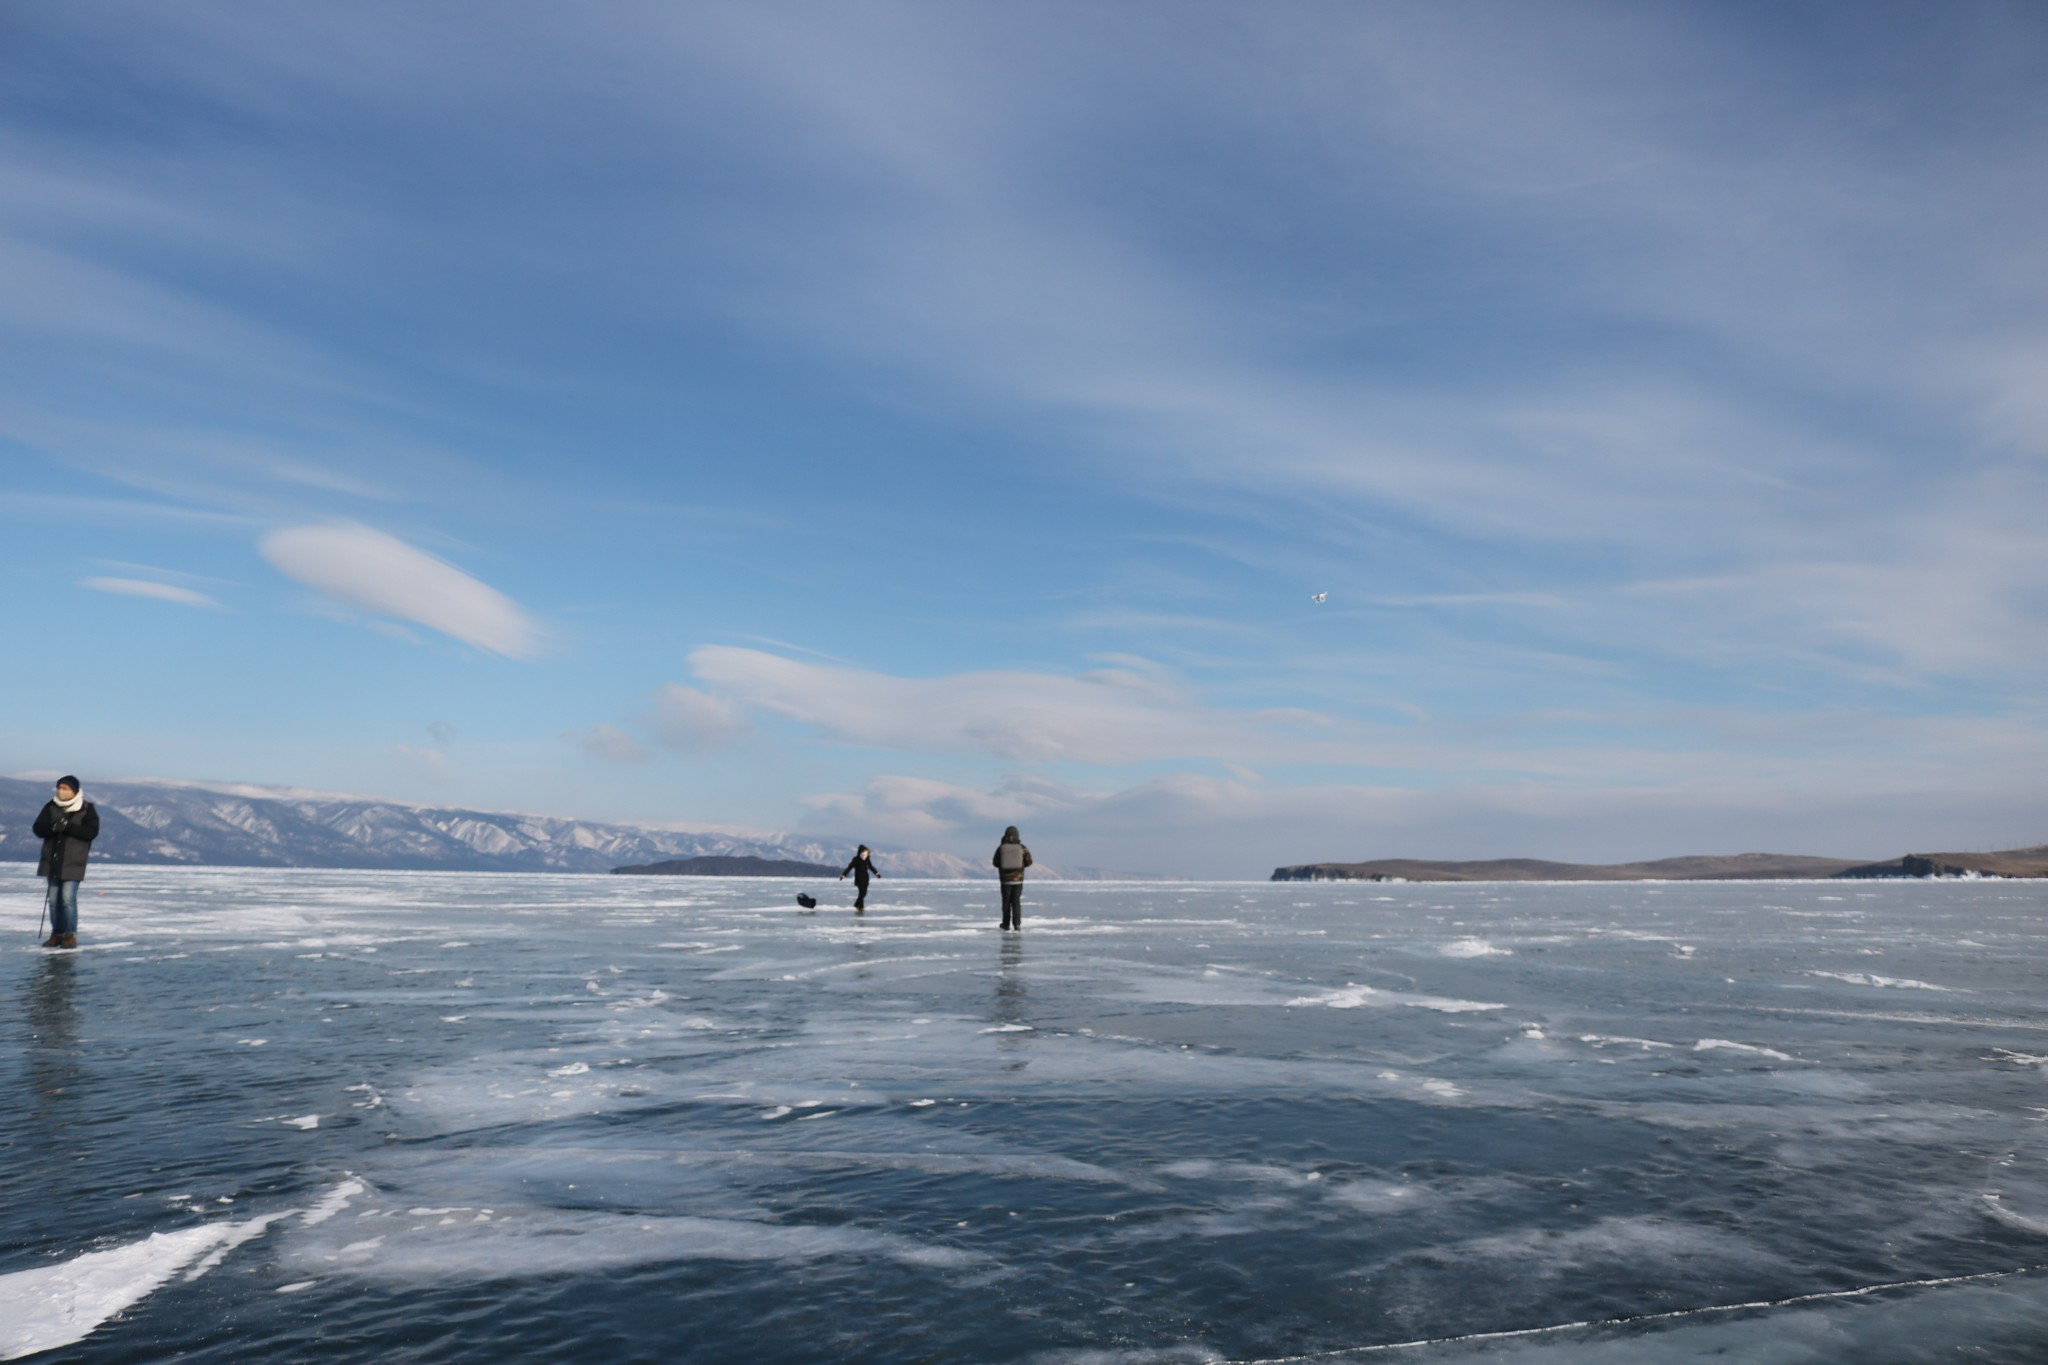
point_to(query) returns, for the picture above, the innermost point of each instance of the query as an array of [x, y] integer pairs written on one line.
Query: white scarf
[[71, 807]]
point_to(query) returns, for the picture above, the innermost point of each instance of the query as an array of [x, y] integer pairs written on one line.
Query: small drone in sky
[[1321, 596]]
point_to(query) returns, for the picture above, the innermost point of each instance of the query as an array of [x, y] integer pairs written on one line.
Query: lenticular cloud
[[368, 569]]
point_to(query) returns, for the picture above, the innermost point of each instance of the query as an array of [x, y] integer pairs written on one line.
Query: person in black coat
[[67, 826], [862, 866]]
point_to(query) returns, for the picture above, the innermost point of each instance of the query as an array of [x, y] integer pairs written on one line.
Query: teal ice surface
[[348, 1116]]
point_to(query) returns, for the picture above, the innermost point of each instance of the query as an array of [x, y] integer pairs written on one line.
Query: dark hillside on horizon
[[2011, 862]]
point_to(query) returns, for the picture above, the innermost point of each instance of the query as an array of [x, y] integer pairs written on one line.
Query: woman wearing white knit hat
[[67, 826]]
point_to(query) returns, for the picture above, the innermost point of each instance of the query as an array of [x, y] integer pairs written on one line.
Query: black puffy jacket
[[67, 838]]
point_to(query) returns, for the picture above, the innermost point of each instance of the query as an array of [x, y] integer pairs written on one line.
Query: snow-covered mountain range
[[179, 823]]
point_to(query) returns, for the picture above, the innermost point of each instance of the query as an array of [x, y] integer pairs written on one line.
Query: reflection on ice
[[1229, 1122]]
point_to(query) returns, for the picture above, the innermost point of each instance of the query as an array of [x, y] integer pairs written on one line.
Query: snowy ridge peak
[[180, 823]]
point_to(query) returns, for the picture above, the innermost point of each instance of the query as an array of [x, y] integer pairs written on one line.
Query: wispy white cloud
[[1844, 785], [142, 587], [379, 573], [1608, 356], [424, 764], [690, 718], [1953, 588], [607, 742], [1609, 211], [390, 630], [912, 808], [2009, 381], [68, 508], [1112, 716]]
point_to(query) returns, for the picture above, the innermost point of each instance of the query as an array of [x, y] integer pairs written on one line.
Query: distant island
[[716, 866], [2012, 862], [2018, 862]]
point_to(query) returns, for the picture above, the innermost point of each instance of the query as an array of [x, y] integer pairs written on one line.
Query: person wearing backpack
[[67, 826], [1012, 857]]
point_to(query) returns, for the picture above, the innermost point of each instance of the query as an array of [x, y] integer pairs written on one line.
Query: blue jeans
[[63, 902]]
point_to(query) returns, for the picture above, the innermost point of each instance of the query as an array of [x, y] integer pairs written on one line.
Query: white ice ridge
[[1675, 1314], [1997, 1208], [1354, 996], [1896, 982], [1603, 1039], [61, 1305], [1723, 1045], [333, 1202], [1473, 947], [508, 1244]]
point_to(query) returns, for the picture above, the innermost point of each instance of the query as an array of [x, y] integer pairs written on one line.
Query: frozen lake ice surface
[[353, 1116]]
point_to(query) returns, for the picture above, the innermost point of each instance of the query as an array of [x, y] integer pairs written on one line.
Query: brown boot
[[53, 941], [68, 941]]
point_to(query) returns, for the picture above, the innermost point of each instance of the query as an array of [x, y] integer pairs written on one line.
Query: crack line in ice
[[1633, 1318]]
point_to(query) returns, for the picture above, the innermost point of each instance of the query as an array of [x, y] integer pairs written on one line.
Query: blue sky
[[900, 421]]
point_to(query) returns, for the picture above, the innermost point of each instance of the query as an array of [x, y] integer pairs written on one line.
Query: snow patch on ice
[[61, 1305], [1635, 1242], [1895, 982], [1604, 1040], [236, 1235], [1996, 1207], [1379, 1196], [1724, 1045], [333, 1202], [521, 1243], [1251, 1172], [1354, 996], [1473, 947]]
